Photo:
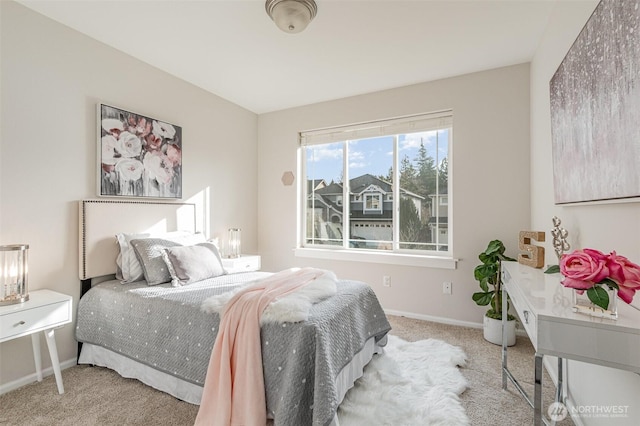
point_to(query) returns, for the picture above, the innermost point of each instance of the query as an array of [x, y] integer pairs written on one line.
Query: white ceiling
[[232, 48]]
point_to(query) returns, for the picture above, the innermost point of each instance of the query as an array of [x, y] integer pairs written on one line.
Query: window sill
[[403, 259]]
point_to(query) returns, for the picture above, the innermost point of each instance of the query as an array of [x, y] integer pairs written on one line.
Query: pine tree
[[408, 175], [426, 172], [410, 225], [443, 175]]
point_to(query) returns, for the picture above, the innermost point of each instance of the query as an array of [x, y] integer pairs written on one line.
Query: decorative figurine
[[560, 244]]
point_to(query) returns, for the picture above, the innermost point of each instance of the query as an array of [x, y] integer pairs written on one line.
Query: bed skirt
[[192, 393]]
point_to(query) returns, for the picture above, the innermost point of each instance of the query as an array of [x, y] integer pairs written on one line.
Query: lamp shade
[[291, 16]]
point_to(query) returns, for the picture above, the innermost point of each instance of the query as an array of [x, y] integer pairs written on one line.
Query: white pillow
[[128, 266]]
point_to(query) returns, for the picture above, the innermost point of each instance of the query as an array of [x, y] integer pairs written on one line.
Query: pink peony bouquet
[[588, 270]]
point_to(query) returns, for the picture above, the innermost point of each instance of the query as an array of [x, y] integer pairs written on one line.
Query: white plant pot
[[493, 331]]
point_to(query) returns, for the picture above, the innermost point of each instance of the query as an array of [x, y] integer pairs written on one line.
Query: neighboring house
[[315, 184], [439, 218], [370, 208]]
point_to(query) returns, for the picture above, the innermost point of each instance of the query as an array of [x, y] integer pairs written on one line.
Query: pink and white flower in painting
[[129, 145], [158, 167], [109, 144], [163, 130], [174, 154], [129, 169]]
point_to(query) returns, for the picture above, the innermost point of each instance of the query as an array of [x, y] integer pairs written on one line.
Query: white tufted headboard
[[101, 220]]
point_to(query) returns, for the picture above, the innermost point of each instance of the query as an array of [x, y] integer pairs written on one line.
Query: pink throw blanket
[[234, 391]]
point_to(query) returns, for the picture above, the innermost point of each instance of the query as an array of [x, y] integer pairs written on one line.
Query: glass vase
[[582, 304]]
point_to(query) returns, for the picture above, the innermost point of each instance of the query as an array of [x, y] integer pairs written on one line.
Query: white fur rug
[[411, 384]]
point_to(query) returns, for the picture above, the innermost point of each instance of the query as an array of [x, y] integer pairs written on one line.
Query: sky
[[373, 155]]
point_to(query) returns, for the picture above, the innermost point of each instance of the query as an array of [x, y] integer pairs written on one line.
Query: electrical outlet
[[386, 281], [446, 287]]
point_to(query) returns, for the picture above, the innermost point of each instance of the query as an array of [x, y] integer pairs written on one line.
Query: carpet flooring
[[98, 396]]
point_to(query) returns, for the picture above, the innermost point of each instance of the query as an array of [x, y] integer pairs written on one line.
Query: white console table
[[544, 307]]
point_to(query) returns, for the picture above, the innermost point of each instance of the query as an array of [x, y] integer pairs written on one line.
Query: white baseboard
[[7, 387], [442, 320]]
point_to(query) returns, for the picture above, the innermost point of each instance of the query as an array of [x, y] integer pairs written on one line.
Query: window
[[392, 180], [372, 202]]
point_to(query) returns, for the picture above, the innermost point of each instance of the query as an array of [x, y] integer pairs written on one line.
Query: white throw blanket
[[294, 307]]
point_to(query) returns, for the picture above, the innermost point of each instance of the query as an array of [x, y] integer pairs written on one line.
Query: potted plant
[[488, 275]]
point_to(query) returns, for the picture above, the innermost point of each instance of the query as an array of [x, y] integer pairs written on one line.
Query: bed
[[160, 334]]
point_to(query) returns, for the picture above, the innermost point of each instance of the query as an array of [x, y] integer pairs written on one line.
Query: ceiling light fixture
[[291, 16]]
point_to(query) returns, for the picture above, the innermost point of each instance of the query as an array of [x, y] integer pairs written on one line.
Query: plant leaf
[[505, 257], [482, 298], [494, 247], [598, 297], [485, 271], [553, 269]]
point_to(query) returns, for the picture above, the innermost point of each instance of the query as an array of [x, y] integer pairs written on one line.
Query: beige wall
[[52, 79], [605, 227], [490, 164]]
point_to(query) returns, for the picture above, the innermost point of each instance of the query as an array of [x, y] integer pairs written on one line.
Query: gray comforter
[[164, 328]]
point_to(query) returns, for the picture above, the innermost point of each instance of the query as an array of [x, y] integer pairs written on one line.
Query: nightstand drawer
[[39, 318], [244, 263]]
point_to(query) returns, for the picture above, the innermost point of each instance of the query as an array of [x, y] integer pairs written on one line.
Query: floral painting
[[139, 156]]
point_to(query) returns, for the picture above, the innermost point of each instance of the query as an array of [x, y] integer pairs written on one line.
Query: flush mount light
[[291, 16]]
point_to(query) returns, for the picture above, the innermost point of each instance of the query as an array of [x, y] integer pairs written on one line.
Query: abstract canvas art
[[138, 156], [595, 109]]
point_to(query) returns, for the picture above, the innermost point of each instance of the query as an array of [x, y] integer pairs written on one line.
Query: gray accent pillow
[[149, 253], [188, 264], [128, 266]]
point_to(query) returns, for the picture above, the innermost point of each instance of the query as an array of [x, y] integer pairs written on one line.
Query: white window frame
[[408, 124]]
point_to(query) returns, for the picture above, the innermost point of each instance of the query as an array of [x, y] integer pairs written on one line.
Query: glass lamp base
[[14, 298]]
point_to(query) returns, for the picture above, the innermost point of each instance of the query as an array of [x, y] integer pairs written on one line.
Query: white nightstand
[[44, 311], [244, 263]]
